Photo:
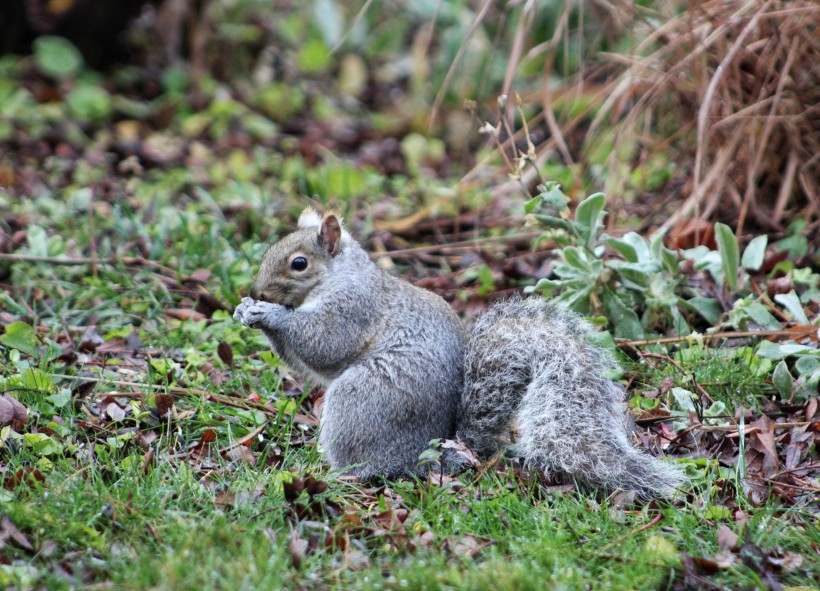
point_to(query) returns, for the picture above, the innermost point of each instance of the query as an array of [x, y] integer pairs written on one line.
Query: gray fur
[[397, 373], [389, 353], [530, 363]]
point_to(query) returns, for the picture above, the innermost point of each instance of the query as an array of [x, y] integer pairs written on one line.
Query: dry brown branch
[[789, 334], [127, 261], [462, 246], [177, 391]]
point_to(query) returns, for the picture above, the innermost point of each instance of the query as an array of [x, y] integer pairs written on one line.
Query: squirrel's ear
[[330, 234], [309, 218]]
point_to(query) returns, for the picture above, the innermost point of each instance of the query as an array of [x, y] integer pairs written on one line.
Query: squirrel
[[400, 371]]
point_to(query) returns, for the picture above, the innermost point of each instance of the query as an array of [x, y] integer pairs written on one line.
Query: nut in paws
[[253, 313]]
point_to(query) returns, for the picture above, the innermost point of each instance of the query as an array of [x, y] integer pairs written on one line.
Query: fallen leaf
[[9, 532], [241, 453], [315, 487], [356, 560], [462, 453], [293, 489], [13, 413], [165, 403], [725, 559], [466, 546], [115, 412], [225, 353], [690, 233], [763, 441], [200, 276], [788, 560], [811, 408], [185, 314], [27, 475], [726, 538], [297, 549]]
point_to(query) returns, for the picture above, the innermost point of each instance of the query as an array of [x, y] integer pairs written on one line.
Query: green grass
[[138, 503], [108, 485]]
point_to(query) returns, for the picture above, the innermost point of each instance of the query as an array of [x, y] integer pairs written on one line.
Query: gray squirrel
[[400, 371]]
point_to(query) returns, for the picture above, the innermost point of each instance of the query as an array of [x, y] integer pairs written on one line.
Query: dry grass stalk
[[745, 75], [728, 89]]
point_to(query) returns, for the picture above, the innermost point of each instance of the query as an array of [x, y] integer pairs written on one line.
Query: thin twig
[[794, 486], [793, 334], [176, 390], [631, 533], [796, 469], [245, 439], [127, 261], [464, 244], [748, 430], [668, 359]]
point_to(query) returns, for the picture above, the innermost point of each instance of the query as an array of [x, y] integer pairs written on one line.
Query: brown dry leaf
[[788, 560], [217, 377], [465, 546], [704, 565], [185, 314], [811, 408], [13, 413], [225, 353], [667, 384], [392, 519], [241, 453], [200, 276], [756, 488], [293, 489], [690, 233], [800, 440], [450, 482], [726, 538], [724, 559], [315, 487], [350, 520], [356, 559], [165, 404], [764, 442], [27, 475], [426, 540], [47, 549], [779, 285], [115, 412], [463, 452], [208, 436], [238, 499], [10, 533], [202, 450], [146, 438], [297, 549]]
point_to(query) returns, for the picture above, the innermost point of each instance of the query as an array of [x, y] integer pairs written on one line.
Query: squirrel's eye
[[299, 264]]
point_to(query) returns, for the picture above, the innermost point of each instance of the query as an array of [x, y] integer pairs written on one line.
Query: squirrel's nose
[[254, 293]]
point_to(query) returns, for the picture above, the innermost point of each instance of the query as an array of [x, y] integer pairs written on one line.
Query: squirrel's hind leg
[[371, 437]]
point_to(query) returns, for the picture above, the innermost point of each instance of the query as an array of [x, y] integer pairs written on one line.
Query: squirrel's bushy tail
[[530, 363]]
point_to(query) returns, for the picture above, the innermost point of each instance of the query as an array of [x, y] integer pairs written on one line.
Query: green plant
[[640, 285]]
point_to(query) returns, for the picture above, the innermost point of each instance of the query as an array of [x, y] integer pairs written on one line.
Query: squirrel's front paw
[[240, 309], [256, 314]]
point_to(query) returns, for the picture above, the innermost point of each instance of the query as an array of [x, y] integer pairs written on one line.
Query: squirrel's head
[[295, 265]]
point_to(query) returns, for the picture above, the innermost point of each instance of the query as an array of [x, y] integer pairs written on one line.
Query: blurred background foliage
[[679, 110]]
